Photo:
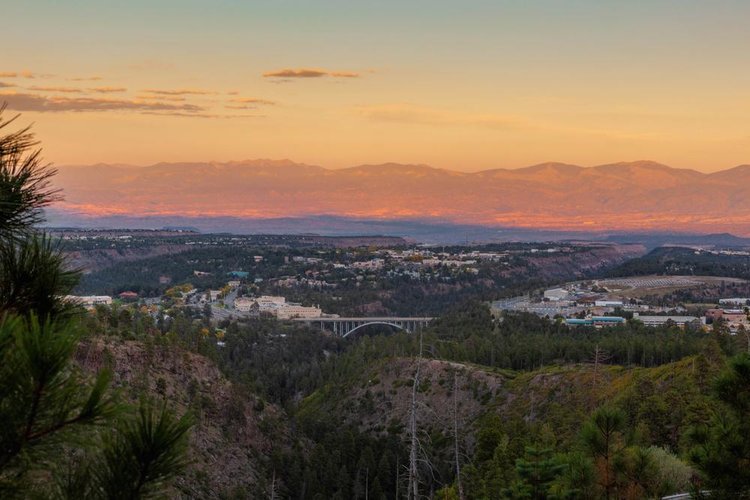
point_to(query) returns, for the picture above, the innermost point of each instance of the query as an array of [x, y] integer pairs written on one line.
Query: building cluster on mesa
[[610, 302]]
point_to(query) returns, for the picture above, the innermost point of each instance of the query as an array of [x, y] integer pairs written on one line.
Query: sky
[[465, 85]]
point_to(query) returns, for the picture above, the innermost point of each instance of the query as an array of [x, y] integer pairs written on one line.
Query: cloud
[[31, 75], [252, 100], [296, 73], [44, 104], [107, 90], [409, 113], [344, 74], [309, 73], [68, 90], [173, 98], [198, 115], [86, 79], [24, 74], [4, 84], [179, 91], [240, 106]]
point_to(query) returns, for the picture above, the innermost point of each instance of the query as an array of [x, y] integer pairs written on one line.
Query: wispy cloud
[[252, 100], [179, 91], [5, 84], [43, 104], [344, 74], [199, 115], [410, 113], [173, 98], [309, 73], [67, 90], [24, 74], [296, 73], [86, 79], [107, 90]]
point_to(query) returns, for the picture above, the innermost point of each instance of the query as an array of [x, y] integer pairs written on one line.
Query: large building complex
[[90, 300], [278, 307]]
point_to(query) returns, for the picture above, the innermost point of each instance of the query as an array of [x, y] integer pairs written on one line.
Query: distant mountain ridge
[[641, 195]]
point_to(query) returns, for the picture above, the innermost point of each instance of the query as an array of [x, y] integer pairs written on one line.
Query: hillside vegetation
[[131, 401]]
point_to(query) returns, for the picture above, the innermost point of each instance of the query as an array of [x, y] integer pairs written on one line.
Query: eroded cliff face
[[101, 258], [569, 265], [235, 431], [379, 401]]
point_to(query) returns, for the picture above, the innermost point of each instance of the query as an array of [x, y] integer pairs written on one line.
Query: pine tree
[[536, 471], [603, 438], [47, 406], [722, 448]]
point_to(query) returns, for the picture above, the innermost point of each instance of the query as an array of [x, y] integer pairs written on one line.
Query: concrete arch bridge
[[343, 327]]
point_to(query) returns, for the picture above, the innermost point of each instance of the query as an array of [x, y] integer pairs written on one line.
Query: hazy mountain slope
[[634, 195]]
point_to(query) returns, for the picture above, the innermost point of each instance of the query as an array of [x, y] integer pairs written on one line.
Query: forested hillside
[[517, 389], [686, 261], [130, 401]]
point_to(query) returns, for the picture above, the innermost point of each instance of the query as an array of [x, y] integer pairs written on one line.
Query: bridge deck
[[368, 318]]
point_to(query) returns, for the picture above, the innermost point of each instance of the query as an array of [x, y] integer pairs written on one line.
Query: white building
[[680, 321], [608, 303], [738, 301], [289, 311], [369, 265], [269, 303], [90, 300], [244, 304], [555, 294], [275, 306]]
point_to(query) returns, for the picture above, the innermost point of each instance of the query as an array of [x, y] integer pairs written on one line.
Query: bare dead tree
[[455, 436], [600, 357], [273, 485], [398, 476], [413, 491]]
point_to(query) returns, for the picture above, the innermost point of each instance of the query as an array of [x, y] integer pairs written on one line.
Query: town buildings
[[275, 306], [90, 300]]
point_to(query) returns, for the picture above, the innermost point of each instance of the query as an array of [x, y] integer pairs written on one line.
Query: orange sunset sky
[[460, 85]]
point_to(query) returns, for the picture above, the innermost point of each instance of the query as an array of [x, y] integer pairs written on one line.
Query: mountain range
[[630, 196]]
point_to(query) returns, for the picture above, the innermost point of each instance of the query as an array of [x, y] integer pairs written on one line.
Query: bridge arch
[[369, 323]]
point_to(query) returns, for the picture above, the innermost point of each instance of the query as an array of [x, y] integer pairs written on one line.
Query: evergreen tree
[[536, 470], [48, 408], [603, 438], [722, 450]]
